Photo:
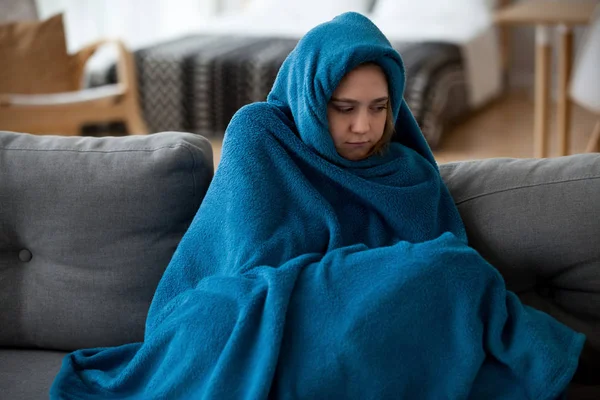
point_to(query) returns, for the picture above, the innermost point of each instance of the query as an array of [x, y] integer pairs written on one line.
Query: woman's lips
[[357, 143]]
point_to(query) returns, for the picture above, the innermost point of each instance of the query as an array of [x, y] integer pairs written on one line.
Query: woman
[[358, 117], [327, 261]]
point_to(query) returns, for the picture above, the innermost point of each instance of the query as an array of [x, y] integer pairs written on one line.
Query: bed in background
[[196, 83], [468, 26]]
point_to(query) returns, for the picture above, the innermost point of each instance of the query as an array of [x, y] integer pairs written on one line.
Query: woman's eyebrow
[[380, 99], [352, 101]]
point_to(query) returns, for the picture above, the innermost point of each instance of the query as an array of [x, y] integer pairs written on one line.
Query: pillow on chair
[[34, 58]]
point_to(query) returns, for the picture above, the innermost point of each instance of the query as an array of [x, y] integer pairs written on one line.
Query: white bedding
[[475, 35], [467, 23], [477, 40]]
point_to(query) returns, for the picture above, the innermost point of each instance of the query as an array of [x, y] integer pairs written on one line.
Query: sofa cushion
[[28, 374], [537, 221], [87, 227], [34, 57]]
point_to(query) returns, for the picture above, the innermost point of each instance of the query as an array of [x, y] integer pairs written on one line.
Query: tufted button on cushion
[[103, 217], [25, 255]]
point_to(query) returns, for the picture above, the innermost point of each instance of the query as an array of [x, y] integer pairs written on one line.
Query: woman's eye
[[380, 108], [345, 110]]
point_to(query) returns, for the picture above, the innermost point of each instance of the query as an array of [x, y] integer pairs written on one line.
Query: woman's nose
[[361, 123]]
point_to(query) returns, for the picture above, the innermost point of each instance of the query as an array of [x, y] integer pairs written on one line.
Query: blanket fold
[[305, 275]]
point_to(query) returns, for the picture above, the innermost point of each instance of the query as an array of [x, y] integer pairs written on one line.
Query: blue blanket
[[305, 275]]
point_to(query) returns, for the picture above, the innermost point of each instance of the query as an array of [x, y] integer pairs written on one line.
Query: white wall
[[137, 22]]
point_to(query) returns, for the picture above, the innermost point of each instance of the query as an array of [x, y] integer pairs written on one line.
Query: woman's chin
[[354, 156]]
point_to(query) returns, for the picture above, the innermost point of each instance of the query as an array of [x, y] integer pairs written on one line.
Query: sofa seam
[[191, 153], [97, 151], [475, 197]]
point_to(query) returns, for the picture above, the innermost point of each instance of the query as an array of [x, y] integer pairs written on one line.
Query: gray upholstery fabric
[[28, 374], [538, 222], [87, 227]]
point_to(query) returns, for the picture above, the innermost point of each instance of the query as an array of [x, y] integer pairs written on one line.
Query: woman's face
[[357, 111]]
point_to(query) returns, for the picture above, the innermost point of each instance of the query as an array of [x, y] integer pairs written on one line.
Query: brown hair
[[389, 128], [388, 131]]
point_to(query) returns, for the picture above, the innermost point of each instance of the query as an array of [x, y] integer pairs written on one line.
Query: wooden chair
[[64, 113]]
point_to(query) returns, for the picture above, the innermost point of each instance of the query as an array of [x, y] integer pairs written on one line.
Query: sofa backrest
[[87, 228], [538, 222], [80, 258]]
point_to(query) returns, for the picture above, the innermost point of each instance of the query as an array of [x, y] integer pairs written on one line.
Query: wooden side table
[[545, 15]]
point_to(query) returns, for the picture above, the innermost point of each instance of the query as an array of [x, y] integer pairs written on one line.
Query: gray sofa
[[87, 226]]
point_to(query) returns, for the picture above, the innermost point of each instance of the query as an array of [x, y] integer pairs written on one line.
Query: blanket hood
[[312, 71]]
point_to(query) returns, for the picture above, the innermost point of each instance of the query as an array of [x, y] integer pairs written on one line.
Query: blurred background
[[188, 65]]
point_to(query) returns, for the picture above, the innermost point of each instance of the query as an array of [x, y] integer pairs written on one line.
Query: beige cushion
[[34, 58]]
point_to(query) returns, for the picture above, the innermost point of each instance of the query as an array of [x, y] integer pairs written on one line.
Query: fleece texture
[[305, 275]]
